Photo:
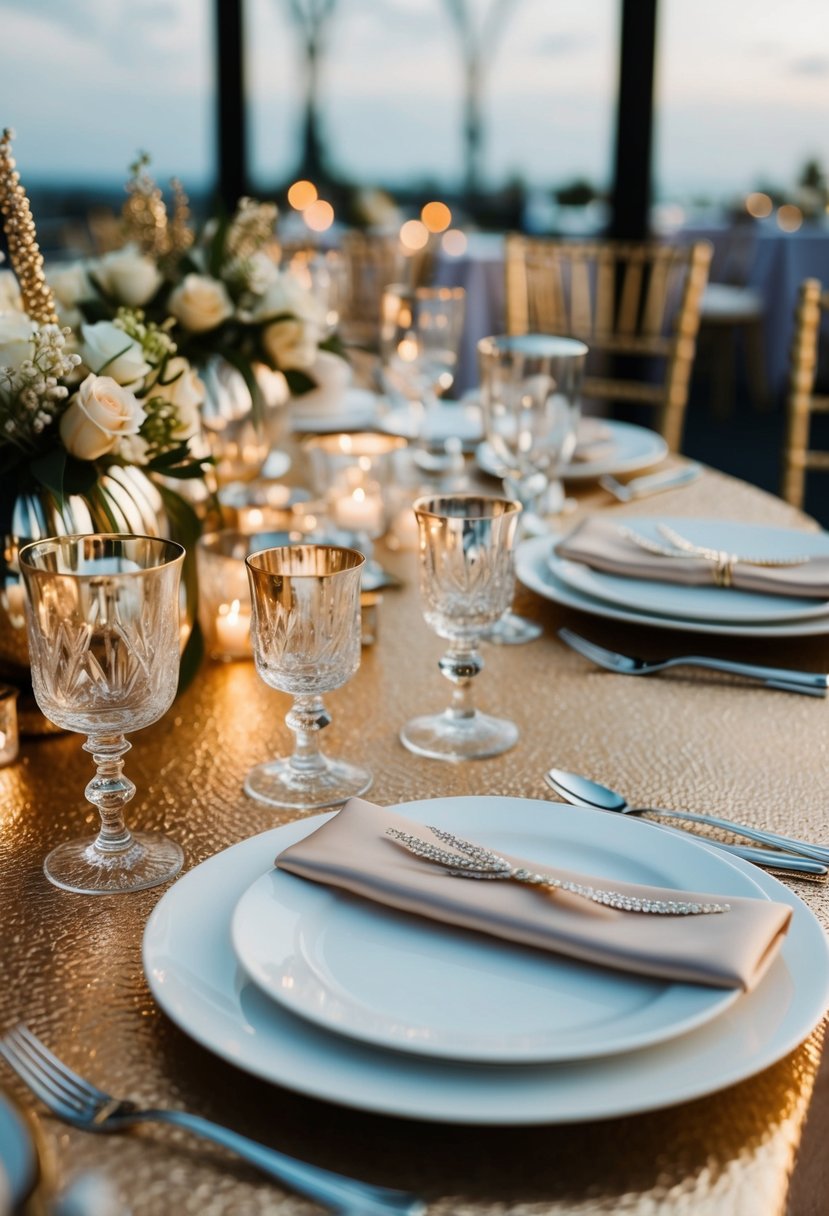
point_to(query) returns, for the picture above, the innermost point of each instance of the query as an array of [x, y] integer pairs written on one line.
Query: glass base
[[279, 783], [512, 630], [78, 866], [444, 736]]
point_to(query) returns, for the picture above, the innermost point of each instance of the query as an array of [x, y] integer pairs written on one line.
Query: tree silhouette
[[478, 44], [312, 21]]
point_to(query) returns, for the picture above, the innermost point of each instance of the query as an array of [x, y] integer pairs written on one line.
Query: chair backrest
[[636, 305], [802, 401]]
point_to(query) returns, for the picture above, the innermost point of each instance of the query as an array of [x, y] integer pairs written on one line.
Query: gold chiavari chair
[[636, 305], [802, 401]]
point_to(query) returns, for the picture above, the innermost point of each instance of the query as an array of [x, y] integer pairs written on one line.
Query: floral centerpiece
[[218, 292], [77, 402], [95, 419]]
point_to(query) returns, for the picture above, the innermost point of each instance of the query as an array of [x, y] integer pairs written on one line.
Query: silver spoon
[[581, 791]]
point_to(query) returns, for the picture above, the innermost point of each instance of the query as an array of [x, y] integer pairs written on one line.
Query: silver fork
[[651, 483], [78, 1102], [814, 684]]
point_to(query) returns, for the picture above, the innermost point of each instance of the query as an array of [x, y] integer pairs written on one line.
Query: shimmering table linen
[[71, 965]]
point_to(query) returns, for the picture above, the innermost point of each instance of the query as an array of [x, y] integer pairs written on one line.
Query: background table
[[71, 965]]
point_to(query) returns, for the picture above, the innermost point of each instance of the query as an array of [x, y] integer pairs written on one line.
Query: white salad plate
[[440, 422], [359, 410], [629, 449], [197, 980], [407, 983], [710, 603], [533, 566]]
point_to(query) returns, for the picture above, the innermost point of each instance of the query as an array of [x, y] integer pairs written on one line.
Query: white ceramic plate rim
[[359, 410], [704, 603], [636, 447], [194, 976], [281, 931], [532, 567]]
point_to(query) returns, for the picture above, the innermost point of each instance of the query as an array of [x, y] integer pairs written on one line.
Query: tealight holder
[[353, 473], [224, 593], [9, 735], [265, 505]]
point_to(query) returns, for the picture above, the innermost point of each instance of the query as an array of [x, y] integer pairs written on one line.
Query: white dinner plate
[[444, 420], [359, 410], [532, 567], [632, 448], [18, 1158], [196, 979], [722, 604], [405, 982]]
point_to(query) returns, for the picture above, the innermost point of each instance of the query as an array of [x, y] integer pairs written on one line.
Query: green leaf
[[299, 382], [334, 345], [216, 252], [62, 474]]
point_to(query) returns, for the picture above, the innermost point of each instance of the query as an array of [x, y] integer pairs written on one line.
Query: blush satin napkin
[[353, 852], [606, 545]]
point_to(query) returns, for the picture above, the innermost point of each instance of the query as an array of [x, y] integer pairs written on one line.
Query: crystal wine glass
[[103, 624], [530, 396], [306, 641], [420, 336], [467, 582]]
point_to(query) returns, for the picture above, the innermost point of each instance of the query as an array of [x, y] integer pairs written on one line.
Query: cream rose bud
[[200, 303], [100, 414], [286, 294], [108, 351], [70, 284], [290, 344], [16, 330], [129, 275], [183, 389]]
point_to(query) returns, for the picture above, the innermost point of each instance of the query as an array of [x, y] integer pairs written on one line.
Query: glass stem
[[306, 718], [110, 791], [461, 664]]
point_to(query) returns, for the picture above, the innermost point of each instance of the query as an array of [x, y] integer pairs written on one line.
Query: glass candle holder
[[264, 505], [9, 737], [353, 472], [224, 593]]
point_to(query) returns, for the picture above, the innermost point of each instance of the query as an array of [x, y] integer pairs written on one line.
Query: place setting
[[698, 575]]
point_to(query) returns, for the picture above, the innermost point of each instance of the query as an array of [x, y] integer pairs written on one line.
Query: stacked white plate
[[661, 605], [627, 449], [336, 997]]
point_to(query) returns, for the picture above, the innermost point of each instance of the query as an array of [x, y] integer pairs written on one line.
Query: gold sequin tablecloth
[[70, 965]]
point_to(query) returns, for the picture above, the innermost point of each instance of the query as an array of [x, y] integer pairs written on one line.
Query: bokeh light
[[454, 242], [319, 216], [759, 205], [414, 235], [302, 194], [436, 216], [789, 217]]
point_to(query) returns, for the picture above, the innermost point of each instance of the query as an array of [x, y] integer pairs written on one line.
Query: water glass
[[306, 641], [466, 582], [103, 624]]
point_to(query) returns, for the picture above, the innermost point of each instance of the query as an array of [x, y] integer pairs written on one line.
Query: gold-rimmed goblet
[[103, 624], [306, 632], [466, 581]]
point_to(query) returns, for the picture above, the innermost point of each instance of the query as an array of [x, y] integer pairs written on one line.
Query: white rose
[[290, 344], [182, 387], [286, 294], [10, 300], [98, 416], [200, 303], [16, 331], [71, 285], [128, 275], [108, 350]]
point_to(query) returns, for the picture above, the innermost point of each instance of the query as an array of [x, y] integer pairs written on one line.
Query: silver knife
[[651, 483]]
